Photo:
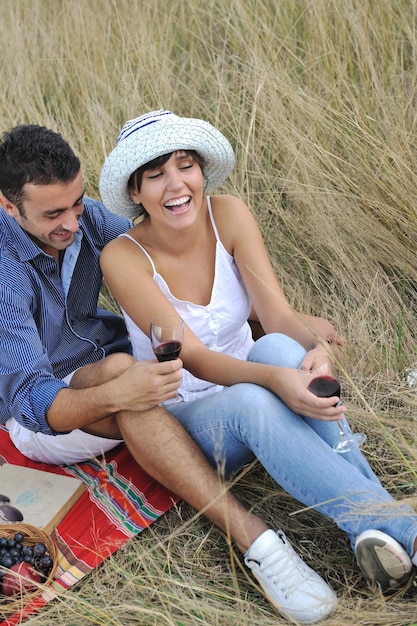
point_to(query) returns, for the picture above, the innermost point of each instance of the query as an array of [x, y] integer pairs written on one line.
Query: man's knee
[[115, 364], [103, 371]]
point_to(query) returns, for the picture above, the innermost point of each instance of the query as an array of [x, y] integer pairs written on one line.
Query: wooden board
[[43, 498]]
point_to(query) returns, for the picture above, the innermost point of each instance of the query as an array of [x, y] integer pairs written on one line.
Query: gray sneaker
[[296, 591], [383, 561]]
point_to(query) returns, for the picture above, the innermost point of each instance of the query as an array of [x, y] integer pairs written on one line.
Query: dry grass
[[318, 98]]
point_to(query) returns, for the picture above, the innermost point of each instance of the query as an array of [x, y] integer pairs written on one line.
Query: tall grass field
[[318, 98]]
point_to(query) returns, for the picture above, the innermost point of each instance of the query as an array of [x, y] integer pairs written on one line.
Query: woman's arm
[[240, 234], [129, 276]]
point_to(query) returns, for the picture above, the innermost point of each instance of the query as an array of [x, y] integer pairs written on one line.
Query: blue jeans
[[246, 420]]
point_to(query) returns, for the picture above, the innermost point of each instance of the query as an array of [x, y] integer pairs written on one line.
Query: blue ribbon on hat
[[140, 122]]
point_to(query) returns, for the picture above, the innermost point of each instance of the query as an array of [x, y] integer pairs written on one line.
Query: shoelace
[[283, 568]]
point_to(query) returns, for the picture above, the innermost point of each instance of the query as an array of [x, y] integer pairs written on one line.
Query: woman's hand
[[293, 391], [322, 328], [315, 357]]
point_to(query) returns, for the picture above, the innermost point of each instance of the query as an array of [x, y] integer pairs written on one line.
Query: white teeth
[[178, 202]]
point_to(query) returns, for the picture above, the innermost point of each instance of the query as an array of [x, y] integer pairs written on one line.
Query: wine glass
[[167, 335], [324, 383]]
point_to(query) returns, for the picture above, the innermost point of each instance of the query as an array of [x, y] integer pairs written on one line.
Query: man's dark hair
[[34, 154]]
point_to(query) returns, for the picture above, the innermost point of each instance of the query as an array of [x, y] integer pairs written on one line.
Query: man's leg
[[160, 444]]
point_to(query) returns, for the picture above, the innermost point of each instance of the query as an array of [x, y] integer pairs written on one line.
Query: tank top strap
[[213, 223], [142, 248]]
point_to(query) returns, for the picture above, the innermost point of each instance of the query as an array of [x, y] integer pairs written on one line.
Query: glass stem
[[343, 427]]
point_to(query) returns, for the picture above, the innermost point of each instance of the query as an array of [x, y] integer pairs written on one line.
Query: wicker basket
[[32, 536]]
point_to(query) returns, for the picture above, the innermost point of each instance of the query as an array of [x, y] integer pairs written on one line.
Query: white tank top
[[221, 325]]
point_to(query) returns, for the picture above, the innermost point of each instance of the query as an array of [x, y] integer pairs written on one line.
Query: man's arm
[[27, 384], [117, 383]]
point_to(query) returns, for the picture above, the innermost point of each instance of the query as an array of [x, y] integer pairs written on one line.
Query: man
[[69, 388]]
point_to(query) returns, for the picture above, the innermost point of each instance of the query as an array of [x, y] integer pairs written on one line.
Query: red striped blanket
[[119, 502]]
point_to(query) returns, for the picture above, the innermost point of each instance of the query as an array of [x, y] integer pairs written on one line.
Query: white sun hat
[[152, 135]]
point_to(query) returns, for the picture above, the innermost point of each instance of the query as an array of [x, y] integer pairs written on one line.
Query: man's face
[[50, 213]]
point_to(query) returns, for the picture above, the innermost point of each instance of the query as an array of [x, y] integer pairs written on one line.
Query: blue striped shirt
[[50, 321]]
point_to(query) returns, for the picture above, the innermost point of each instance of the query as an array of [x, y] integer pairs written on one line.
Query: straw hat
[[152, 135]]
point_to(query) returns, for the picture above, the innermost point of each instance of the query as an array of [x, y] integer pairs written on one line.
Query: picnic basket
[[32, 536]]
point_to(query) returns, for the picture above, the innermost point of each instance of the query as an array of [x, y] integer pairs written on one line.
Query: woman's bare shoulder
[[232, 217], [226, 201], [122, 248], [229, 210]]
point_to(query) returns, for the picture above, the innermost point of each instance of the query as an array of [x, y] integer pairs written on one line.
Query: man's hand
[[147, 383]]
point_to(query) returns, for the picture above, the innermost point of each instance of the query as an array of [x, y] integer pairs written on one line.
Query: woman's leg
[[278, 349], [245, 420]]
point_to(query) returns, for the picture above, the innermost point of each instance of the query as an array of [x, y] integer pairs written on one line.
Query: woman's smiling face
[[171, 189]]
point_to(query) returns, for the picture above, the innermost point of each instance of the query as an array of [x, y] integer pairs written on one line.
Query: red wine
[[168, 351], [325, 387]]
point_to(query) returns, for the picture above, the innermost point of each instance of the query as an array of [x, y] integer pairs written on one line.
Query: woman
[[202, 257]]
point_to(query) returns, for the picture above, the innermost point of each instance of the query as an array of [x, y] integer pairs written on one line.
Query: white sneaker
[[289, 584], [383, 560]]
